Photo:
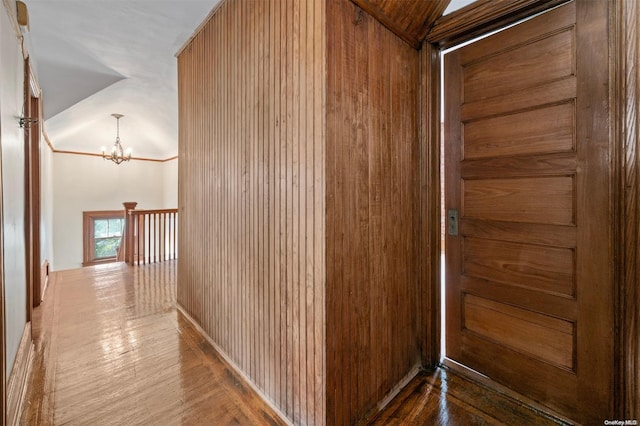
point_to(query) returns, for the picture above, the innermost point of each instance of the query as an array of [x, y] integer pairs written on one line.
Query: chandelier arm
[[117, 152]]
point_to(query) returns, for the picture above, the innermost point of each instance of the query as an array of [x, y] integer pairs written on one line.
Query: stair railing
[[150, 235]]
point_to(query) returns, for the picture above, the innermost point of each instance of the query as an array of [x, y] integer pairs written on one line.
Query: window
[[102, 231]]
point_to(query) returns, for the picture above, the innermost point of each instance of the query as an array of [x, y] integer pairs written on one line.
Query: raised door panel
[[528, 289]]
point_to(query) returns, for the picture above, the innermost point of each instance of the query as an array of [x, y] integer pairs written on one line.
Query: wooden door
[[529, 287]]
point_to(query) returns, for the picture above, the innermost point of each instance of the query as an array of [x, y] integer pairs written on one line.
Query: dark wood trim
[[35, 193], [390, 24], [412, 35], [19, 378], [88, 242], [28, 191], [483, 16], [27, 194], [429, 198], [159, 211], [437, 11], [625, 92], [3, 345]]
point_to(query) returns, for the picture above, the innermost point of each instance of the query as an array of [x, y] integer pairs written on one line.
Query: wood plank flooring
[[445, 398], [111, 349]]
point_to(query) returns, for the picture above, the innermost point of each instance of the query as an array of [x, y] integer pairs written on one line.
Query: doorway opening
[[443, 209], [521, 291]]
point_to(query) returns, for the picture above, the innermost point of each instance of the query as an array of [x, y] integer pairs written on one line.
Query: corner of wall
[[11, 9], [373, 322]]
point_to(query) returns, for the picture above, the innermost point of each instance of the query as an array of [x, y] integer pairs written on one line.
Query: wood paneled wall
[[409, 20], [252, 194], [298, 198], [373, 295], [302, 249]]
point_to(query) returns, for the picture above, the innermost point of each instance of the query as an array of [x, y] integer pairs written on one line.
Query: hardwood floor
[[445, 398], [110, 348]]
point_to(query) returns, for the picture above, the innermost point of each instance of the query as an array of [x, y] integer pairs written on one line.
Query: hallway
[[110, 348]]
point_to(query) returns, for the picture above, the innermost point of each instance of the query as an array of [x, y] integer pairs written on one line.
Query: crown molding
[[91, 154]]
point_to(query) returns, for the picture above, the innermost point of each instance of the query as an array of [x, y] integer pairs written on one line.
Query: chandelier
[[117, 155]]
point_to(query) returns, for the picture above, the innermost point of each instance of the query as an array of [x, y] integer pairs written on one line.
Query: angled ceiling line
[[92, 154], [96, 57]]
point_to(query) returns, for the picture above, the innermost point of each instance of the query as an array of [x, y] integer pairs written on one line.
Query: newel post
[[127, 241]]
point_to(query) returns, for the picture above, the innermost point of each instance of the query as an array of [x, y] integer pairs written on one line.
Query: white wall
[[12, 168], [46, 203], [86, 183], [170, 196]]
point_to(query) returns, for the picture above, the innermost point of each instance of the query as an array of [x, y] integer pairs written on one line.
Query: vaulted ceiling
[[98, 57]]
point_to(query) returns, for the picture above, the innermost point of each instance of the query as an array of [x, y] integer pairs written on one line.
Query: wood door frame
[[625, 103], [624, 97], [3, 347], [36, 212], [33, 110]]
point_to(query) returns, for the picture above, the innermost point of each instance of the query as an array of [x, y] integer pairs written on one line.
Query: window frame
[[88, 235]]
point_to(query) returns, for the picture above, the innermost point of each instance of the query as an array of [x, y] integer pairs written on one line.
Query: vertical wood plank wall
[[373, 338], [251, 194]]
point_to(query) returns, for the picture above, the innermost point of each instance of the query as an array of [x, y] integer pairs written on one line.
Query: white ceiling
[[98, 57]]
